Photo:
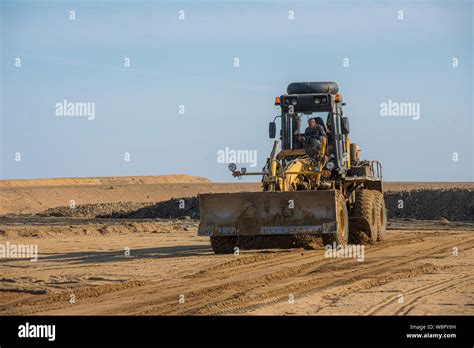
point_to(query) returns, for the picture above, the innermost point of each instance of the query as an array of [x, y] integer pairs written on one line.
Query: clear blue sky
[[191, 62]]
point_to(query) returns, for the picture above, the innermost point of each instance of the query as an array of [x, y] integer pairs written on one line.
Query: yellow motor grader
[[317, 188]]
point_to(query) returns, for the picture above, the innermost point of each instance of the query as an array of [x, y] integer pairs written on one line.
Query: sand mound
[[112, 180], [37, 199]]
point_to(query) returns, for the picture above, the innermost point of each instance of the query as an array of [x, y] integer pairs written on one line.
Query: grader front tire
[[342, 218]]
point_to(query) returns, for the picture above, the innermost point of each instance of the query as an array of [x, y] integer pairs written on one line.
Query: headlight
[[232, 167], [330, 165], [317, 101], [294, 101]]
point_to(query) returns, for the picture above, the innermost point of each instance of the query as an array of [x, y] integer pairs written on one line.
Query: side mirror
[[345, 125], [272, 130]]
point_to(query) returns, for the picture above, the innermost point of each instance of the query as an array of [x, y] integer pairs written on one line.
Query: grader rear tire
[[342, 219], [382, 215], [366, 207], [224, 245]]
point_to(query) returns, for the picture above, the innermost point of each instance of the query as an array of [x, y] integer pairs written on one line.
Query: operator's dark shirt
[[315, 132]]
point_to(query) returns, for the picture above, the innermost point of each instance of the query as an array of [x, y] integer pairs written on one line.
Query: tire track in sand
[[215, 300], [231, 287]]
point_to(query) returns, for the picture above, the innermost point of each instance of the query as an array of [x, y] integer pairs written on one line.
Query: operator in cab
[[311, 137]]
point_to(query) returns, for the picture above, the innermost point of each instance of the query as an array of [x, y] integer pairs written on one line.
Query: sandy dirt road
[[422, 268]]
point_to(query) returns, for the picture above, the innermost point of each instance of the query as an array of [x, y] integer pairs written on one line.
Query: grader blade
[[267, 213]]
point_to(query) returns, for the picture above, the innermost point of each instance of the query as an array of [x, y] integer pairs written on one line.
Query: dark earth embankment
[[451, 205]]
